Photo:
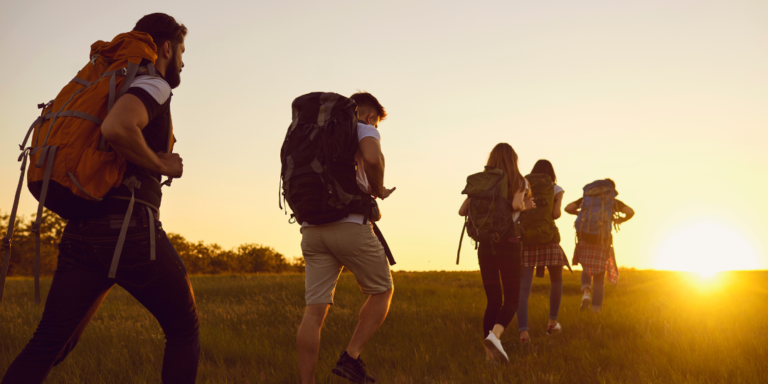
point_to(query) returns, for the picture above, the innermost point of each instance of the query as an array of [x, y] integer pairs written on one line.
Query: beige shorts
[[330, 247]]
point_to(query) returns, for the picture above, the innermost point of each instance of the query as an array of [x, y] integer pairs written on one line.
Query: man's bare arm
[[122, 129], [370, 148]]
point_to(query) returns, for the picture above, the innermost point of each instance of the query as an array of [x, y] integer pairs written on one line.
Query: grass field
[[657, 327]]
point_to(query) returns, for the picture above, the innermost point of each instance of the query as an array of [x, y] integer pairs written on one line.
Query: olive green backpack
[[539, 224]]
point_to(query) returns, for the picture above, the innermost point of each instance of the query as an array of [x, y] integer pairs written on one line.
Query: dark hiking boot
[[352, 369]]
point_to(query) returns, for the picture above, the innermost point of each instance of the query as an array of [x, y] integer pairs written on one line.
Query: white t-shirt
[[558, 189], [363, 131]]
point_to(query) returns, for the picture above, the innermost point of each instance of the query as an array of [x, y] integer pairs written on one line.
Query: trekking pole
[[461, 239]]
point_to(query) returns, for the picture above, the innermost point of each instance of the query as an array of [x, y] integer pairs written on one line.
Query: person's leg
[[555, 292], [586, 281], [489, 272], [510, 270], [358, 249], [526, 282], [371, 317], [599, 291], [321, 272], [74, 297], [163, 287], [308, 340], [586, 289]]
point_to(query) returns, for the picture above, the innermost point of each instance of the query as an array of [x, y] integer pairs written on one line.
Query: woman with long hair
[[500, 261], [540, 255]]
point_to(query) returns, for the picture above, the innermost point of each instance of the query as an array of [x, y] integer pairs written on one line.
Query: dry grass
[[655, 327]]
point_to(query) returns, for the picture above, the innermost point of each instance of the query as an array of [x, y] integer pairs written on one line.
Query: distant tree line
[[199, 258]]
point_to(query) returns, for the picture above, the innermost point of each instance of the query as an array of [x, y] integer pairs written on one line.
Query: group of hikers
[[519, 236], [97, 156]]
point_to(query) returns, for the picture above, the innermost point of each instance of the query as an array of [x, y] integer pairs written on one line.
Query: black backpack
[[318, 175], [538, 222]]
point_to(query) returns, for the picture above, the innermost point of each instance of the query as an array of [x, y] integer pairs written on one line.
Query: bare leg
[[371, 317], [308, 340], [498, 329]]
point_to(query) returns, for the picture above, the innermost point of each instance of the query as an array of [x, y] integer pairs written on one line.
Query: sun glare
[[706, 248]]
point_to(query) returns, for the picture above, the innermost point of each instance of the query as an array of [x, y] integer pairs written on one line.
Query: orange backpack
[[70, 163]]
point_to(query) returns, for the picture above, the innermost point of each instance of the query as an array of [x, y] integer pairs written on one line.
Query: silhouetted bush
[[199, 258]]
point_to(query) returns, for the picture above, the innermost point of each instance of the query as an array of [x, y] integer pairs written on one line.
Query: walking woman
[[499, 259], [598, 212], [541, 246]]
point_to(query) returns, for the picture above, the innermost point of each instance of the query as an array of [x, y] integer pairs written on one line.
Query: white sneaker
[[554, 329], [586, 300], [494, 344]]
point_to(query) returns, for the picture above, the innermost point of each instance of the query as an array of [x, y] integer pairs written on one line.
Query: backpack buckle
[[93, 59]]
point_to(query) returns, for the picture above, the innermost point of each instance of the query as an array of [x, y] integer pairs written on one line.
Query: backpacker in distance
[[597, 210], [538, 222], [490, 211]]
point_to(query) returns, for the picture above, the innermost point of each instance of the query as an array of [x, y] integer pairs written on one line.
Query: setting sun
[[706, 248]]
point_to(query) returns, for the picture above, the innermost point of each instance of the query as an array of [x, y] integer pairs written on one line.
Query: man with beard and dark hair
[[138, 128]]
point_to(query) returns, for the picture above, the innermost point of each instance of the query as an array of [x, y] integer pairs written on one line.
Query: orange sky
[[668, 98]]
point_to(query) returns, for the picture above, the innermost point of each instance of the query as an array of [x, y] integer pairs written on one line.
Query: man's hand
[[172, 164], [384, 193]]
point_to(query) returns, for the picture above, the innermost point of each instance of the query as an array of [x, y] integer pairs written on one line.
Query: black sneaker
[[352, 369]]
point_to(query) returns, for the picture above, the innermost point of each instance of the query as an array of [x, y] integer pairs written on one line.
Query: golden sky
[[668, 98]]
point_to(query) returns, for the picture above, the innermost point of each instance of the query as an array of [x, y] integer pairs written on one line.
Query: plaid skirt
[[595, 259], [539, 255]]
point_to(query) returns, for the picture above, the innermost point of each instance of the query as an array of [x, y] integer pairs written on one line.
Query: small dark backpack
[[597, 210], [538, 222], [318, 175]]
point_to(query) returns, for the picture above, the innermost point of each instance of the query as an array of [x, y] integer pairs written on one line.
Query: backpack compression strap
[[132, 183], [11, 223], [51, 154]]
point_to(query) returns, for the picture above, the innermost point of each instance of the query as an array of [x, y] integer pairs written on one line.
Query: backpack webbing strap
[[152, 255], [37, 121], [11, 223], [461, 239], [82, 115], [50, 153], [112, 87], [130, 74], [131, 183], [81, 81], [80, 187], [151, 69]]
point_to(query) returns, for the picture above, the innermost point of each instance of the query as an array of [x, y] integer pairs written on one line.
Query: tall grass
[[655, 327]]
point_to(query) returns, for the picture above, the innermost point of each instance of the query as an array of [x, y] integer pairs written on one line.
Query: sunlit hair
[[366, 100], [162, 28], [505, 158], [545, 167]]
